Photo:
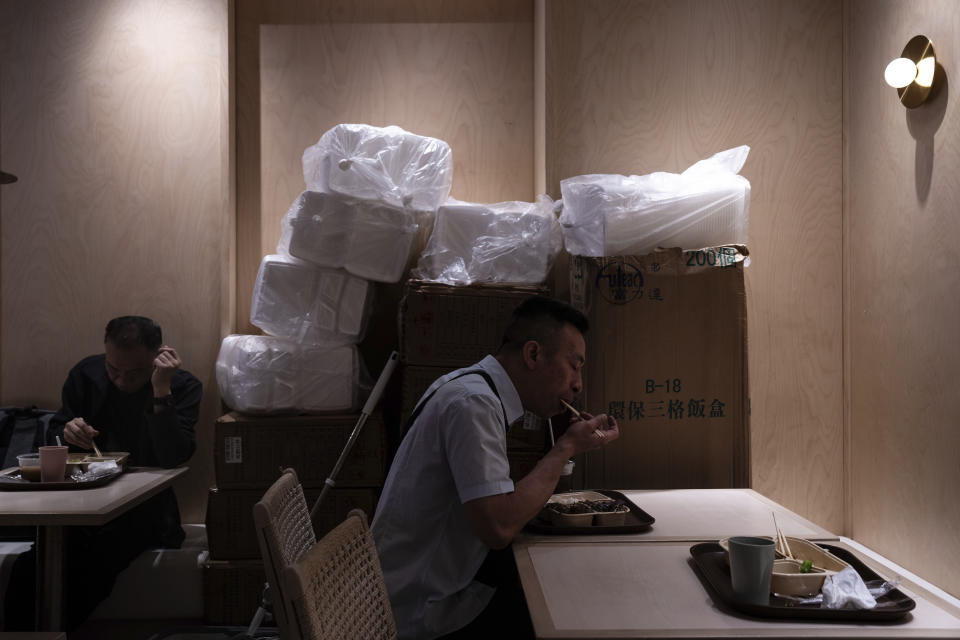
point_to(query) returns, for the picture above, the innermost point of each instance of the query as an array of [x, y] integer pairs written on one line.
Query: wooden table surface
[[54, 510], [647, 586], [94, 506], [708, 514]]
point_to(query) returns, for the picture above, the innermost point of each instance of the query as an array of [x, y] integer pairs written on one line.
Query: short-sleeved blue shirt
[[454, 452]]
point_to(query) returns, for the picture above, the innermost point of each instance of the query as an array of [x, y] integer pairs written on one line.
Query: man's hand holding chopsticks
[[588, 432], [77, 432]]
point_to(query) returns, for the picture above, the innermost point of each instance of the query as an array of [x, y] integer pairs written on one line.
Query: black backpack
[[22, 430]]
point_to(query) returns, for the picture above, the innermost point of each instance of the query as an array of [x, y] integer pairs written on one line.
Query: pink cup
[[53, 463]]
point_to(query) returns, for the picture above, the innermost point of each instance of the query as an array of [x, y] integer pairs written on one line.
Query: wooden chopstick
[[96, 450], [577, 413], [567, 405], [782, 539]]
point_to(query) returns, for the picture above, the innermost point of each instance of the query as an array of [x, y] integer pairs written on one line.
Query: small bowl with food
[[29, 466]]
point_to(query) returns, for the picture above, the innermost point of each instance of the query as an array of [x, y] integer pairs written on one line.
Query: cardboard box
[[528, 435], [230, 529], [250, 451], [232, 591], [445, 326], [667, 356]]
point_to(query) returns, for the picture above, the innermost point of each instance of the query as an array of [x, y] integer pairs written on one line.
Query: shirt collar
[[508, 393]]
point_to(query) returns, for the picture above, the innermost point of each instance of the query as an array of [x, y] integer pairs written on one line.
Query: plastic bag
[[385, 164], [264, 374], [369, 239], [308, 304], [507, 242], [706, 205]]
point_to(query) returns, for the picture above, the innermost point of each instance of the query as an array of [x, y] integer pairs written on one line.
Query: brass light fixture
[[912, 73]]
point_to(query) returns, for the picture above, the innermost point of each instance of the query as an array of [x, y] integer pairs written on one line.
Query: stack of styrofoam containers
[[274, 374], [705, 206], [371, 196], [507, 242], [368, 239]]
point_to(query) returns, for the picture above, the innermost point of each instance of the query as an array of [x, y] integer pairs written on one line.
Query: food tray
[[10, 480], [637, 520], [795, 583], [709, 559]]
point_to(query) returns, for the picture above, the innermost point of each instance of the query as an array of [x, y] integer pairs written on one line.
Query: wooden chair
[[337, 589], [284, 533]]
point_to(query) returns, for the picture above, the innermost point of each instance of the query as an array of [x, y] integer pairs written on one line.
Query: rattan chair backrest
[[337, 587], [284, 533]]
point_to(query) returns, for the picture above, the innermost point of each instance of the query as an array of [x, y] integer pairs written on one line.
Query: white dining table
[[647, 584], [54, 510]]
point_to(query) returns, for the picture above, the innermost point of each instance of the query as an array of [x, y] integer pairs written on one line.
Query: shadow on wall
[[923, 123]]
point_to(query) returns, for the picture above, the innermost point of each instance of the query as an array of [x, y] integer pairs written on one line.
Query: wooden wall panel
[[635, 87], [470, 85], [902, 171], [114, 117]]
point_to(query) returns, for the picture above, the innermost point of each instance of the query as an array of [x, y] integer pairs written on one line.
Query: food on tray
[[789, 578], [585, 513]]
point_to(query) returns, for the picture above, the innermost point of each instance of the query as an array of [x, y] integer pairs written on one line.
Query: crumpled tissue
[[846, 590]]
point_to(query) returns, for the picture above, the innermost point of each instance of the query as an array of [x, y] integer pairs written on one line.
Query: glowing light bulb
[[925, 70], [901, 72]]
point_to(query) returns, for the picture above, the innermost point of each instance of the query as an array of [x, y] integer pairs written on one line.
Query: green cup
[[751, 567]]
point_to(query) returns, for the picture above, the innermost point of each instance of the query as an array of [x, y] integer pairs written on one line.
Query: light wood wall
[[115, 120], [902, 191], [635, 87]]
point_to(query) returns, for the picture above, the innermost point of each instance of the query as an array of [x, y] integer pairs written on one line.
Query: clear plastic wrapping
[[507, 242], [385, 164], [265, 374], [312, 305], [706, 205], [369, 239]]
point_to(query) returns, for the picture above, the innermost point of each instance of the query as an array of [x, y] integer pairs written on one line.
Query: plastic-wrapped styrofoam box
[[706, 205], [386, 164], [317, 228], [266, 374], [309, 304], [508, 242], [369, 239]]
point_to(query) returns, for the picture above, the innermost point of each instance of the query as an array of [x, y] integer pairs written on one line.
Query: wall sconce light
[[912, 73]]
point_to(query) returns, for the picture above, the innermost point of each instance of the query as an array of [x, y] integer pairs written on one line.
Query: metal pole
[[368, 408]]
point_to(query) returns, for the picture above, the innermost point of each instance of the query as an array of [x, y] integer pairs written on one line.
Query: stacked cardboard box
[[249, 455], [443, 328], [667, 356]]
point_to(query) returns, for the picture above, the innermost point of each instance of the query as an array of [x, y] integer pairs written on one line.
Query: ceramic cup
[[53, 463], [751, 566]]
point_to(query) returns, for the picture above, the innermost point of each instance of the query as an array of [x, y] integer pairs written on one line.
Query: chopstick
[[782, 540], [597, 432], [96, 450], [567, 405]]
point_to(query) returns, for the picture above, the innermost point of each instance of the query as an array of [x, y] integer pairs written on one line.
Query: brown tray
[[10, 480], [708, 557], [637, 520]]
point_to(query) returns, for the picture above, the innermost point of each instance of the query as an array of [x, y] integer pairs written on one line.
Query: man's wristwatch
[[164, 401]]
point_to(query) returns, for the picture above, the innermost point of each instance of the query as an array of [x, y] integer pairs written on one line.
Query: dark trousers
[[507, 614]]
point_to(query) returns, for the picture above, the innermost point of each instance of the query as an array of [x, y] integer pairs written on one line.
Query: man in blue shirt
[[449, 500]]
